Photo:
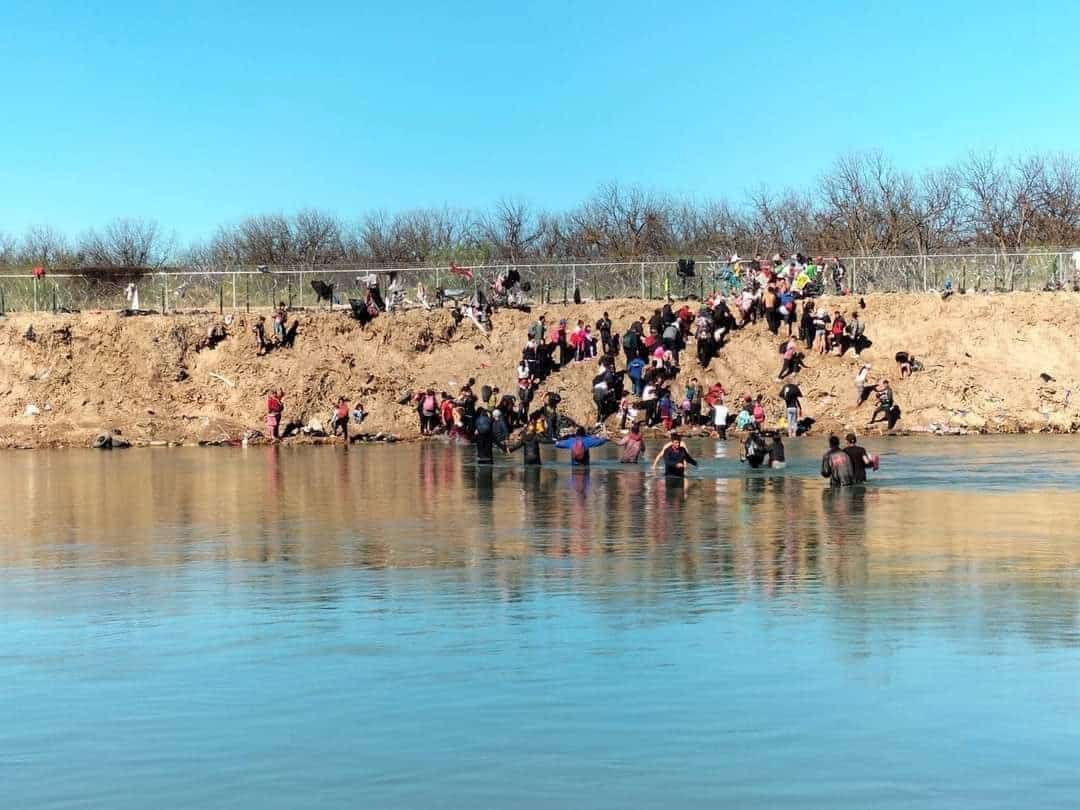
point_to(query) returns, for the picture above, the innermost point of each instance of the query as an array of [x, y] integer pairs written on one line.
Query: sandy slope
[[87, 372]]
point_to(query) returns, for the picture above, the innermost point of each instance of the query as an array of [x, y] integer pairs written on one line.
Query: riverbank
[[143, 377]]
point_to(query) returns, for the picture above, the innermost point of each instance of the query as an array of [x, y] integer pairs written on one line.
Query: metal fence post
[[643, 281], [35, 293], [301, 289], [234, 291]]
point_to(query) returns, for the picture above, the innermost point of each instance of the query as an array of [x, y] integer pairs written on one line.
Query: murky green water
[[394, 627]]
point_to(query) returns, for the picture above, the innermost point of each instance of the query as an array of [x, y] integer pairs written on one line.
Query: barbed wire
[[181, 289]]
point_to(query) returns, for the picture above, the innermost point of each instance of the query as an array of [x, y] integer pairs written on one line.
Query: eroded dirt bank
[[142, 376]]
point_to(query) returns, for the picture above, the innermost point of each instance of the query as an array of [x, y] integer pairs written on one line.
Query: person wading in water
[[675, 457]]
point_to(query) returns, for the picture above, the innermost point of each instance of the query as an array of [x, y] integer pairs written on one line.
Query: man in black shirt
[[675, 457], [836, 466], [860, 459], [603, 326]]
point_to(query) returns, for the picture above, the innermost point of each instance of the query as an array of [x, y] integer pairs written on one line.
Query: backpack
[[671, 333], [483, 425], [759, 413], [629, 340], [578, 451], [429, 404]]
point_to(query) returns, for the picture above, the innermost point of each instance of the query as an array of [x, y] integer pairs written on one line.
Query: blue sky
[[196, 114]]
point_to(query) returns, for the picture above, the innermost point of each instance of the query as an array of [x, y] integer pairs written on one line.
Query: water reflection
[[617, 532], [286, 627]]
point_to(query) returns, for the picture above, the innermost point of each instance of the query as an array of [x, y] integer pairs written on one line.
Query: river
[[393, 626]]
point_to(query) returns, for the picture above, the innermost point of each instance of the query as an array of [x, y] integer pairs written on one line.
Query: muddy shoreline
[[994, 364]]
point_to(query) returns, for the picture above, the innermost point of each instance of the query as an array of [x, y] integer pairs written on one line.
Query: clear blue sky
[[200, 113]]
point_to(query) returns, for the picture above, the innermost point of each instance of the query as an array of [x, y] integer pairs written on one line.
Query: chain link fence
[[249, 288]]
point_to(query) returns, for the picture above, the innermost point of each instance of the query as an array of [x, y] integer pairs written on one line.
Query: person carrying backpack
[[759, 413], [670, 339], [483, 436], [579, 445], [754, 449]]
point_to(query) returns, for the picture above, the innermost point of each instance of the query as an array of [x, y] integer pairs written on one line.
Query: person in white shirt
[[720, 419], [862, 388]]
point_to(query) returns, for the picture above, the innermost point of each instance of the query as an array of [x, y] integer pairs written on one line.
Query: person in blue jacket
[[636, 371], [579, 445]]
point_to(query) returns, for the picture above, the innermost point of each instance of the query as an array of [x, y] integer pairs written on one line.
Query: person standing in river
[[529, 443], [579, 445], [675, 457], [484, 436], [860, 459], [633, 445], [500, 427], [836, 465]]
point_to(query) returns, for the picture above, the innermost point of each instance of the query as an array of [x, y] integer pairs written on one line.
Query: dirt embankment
[[85, 373]]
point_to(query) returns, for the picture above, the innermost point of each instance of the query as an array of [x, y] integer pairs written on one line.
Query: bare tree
[[317, 237], [935, 213], [9, 250], [786, 223], [125, 243], [999, 198], [620, 222], [46, 246], [1057, 218], [862, 204], [510, 231]]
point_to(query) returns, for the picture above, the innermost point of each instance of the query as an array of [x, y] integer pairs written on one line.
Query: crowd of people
[[642, 377]]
